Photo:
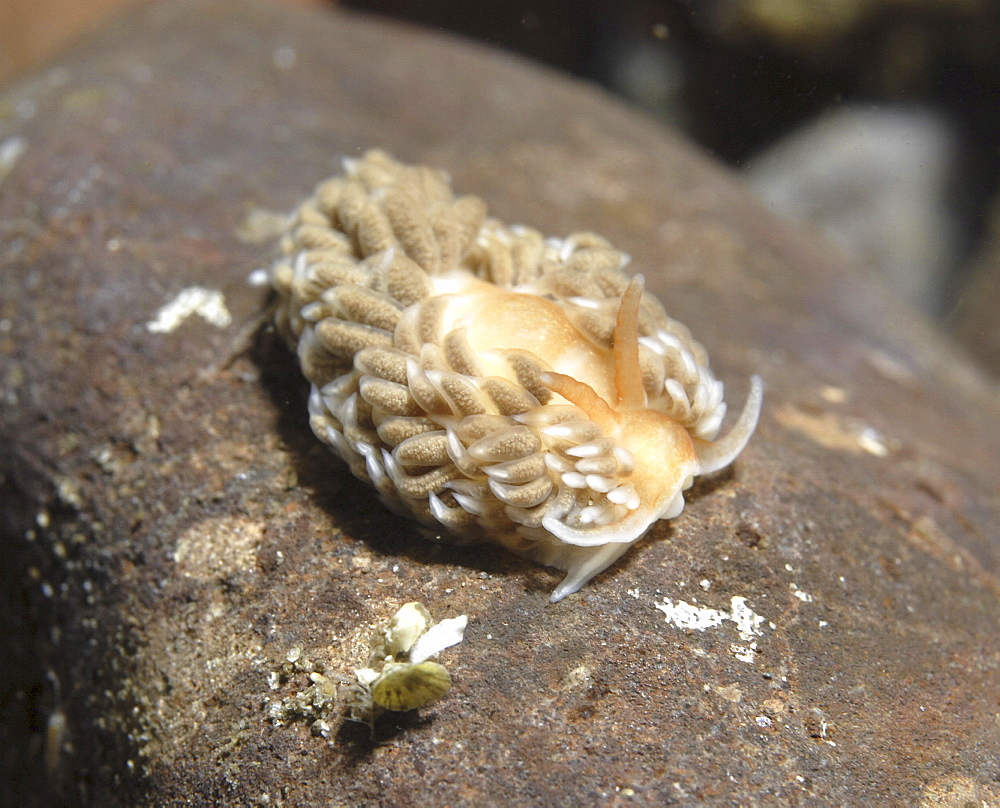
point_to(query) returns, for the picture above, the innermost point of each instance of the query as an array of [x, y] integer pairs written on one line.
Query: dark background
[[738, 76]]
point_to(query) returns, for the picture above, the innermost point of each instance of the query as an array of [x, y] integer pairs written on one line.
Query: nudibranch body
[[504, 386]]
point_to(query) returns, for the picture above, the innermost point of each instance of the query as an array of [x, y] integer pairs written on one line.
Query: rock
[[173, 535], [876, 182], [973, 321]]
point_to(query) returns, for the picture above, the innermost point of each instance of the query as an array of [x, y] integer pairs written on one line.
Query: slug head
[[663, 456], [665, 461]]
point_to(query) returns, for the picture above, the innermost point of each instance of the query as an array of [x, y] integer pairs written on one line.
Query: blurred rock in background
[[740, 76], [875, 181], [33, 30], [974, 317]]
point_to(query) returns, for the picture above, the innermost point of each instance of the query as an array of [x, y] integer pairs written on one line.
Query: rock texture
[[172, 530]]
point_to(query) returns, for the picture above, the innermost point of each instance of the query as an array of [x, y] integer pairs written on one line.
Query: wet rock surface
[[171, 528]]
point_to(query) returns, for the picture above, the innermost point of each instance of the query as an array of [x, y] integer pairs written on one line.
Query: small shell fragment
[[400, 674], [405, 628], [404, 686], [508, 387], [438, 637]]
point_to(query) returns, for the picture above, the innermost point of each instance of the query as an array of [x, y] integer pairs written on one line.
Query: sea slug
[[492, 382]]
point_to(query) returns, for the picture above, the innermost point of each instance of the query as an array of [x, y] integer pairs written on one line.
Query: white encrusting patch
[[691, 617], [209, 304], [688, 616]]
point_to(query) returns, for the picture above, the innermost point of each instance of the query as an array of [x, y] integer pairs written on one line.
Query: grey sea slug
[[486, 380]]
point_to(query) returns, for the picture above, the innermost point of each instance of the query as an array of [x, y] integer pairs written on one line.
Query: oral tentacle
[[718, 454], [583, 396]]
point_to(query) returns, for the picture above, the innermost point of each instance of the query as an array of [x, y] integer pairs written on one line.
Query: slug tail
[[583, 563]]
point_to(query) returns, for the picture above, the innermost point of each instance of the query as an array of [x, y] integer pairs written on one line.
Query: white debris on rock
[[209, 304], [699, 618], [445, 634], [688, 616], [805, 597]]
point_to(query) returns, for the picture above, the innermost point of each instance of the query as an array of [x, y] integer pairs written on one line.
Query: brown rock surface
[[171, 528]]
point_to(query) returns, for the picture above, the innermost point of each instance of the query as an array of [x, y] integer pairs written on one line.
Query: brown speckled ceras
[[508, 387]]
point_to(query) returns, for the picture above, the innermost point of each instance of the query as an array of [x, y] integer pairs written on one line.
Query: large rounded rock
[[172, 530]]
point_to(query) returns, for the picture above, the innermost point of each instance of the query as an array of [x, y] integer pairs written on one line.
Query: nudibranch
[[492, 382]]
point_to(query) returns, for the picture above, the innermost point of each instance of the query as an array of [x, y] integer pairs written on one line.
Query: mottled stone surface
[[171, 528]]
